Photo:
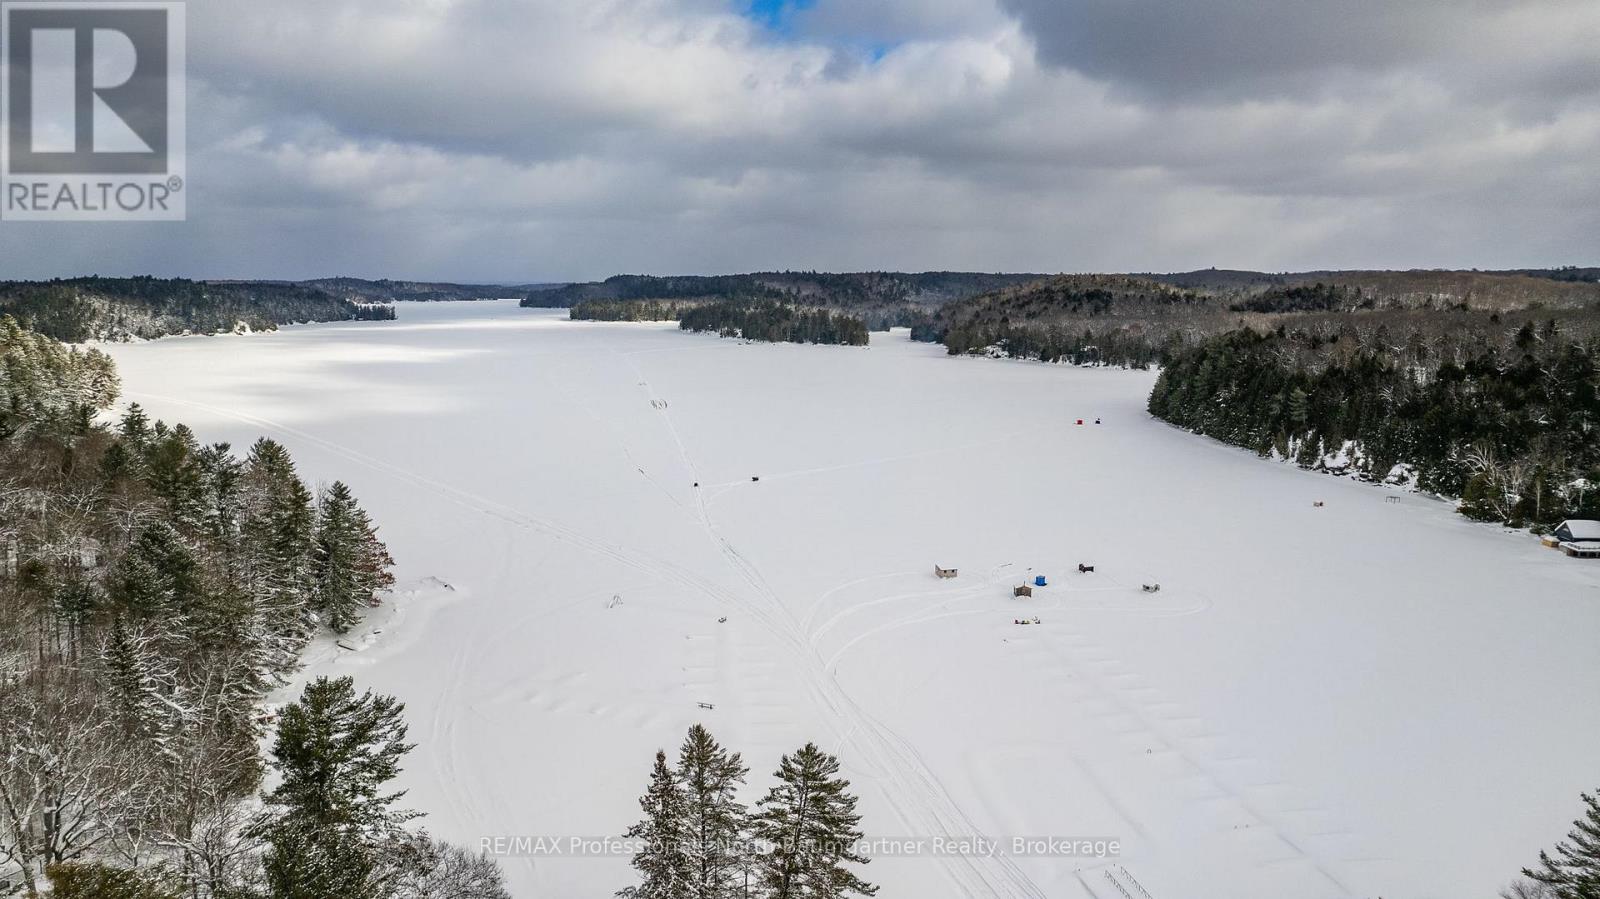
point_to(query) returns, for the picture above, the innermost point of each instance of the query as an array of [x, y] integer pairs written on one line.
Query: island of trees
[[775, 322]]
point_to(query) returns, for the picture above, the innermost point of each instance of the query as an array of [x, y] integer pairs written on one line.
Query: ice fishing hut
[[1039, 581], [1022, 590], [943, 572], [1577, 537]]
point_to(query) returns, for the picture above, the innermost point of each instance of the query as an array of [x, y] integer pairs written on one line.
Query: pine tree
[[350, 565], [174, 473], [279, 522], [666, 869], [331, 813], [135, 426], [159, 576], [714, 821], [274, 557], [810, 821], [220, 476], [1574, 872]]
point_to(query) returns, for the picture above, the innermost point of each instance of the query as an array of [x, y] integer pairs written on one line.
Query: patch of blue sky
[[778, 17]]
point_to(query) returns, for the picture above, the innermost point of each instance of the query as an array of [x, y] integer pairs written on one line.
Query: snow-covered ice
[[1348, 700]]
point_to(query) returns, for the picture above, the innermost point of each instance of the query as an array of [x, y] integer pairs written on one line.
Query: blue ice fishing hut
[[1038, 580]]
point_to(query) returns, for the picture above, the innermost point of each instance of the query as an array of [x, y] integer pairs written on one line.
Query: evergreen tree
[[1574, 872], [220, 477], [87, 880], [135, 426], [279, 520], [810, 822], [172, 470], [331, 814], [350, 565], [714, 821], [274, 559], [159, 576], [667, 870]]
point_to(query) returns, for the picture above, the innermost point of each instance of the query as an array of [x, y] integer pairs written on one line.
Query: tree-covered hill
[[1560, 288], [1130, 319], [1500, 410], [95, 308], [882, 299], [1112, 319], [383, 290]]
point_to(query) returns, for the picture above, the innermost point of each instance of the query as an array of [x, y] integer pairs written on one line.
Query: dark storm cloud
[[1263, 48]]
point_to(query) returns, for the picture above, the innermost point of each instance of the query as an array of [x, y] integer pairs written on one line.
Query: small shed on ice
[[1022, 590], [1577, 537], [943, 572]]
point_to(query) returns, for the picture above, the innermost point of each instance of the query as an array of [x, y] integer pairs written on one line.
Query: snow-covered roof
[[1581, 529]]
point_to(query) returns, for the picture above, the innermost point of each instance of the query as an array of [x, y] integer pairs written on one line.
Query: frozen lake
[[1366, 698]]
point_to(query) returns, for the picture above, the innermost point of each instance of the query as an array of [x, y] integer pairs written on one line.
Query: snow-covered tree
[[274, 558], [172, 470], [665, 868], [1574, 870], [810, 823], [714, 820], [350, 565], [86, 880], [158, 577], [431, 869], [220, 476], [139, 684], [332, 811], [70, 781]]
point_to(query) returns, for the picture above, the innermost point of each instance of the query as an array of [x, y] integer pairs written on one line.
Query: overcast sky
[[522, 140]]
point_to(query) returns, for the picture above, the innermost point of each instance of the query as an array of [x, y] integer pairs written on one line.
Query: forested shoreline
[[95, 308], [1504, 417], [630, 310], [1475, 386], [153, 590], [775, 322], [880, 299]]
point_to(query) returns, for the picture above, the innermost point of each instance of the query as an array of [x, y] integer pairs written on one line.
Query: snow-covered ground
[[1364, 698]]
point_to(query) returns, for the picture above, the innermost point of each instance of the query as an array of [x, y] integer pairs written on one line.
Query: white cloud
[[527, 139]]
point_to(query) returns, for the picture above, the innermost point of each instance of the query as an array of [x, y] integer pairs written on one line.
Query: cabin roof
[[1581, 529]]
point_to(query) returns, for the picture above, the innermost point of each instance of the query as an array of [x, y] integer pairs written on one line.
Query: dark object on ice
[[1024, 621], [1080, 421], [697, 483], [705, 705], [1022, 590], [1392, 500], [1039, 581], [1097, 421], [1085, 569], [722, 620], [754, 478], [1152, 588], [943, 572], [1317, 505]]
